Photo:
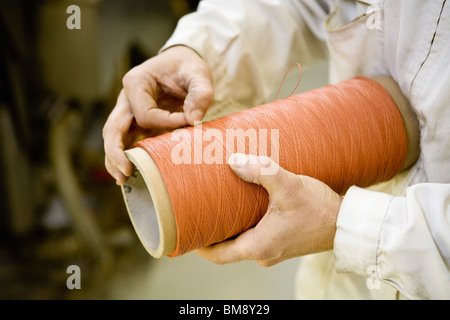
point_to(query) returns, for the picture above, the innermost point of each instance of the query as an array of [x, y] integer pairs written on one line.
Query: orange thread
[[284, 78], [346, 134]]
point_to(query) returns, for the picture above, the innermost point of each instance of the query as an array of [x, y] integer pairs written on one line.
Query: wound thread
[[346, 134]]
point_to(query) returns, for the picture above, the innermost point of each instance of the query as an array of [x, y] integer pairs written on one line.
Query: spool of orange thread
[[183, 195]]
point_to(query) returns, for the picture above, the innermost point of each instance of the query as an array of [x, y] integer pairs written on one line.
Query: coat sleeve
[[249, 45], [404, 241]]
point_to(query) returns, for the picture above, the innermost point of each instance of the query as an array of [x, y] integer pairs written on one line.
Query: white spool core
[[149, 206]]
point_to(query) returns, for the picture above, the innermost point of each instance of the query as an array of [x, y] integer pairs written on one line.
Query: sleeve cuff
[[190, 37], [358, 230]]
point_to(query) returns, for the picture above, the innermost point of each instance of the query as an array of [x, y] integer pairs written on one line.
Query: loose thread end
[[284, 78]]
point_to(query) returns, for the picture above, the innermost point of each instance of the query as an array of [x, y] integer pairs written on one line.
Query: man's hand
[[300, 219], [166, 92]]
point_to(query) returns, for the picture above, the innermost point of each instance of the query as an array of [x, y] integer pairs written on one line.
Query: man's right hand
[[168, 91]]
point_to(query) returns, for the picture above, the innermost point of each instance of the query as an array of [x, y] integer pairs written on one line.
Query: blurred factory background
[[59, 207]]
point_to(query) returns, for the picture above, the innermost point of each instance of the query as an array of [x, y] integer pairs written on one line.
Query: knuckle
[[106, 130], [109, 144], [143, 121], [130, 76], [207, 94]]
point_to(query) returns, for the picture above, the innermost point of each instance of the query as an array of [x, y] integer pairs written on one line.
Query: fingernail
[[264, 161], [196, 115], [122, 169], [238, 160]]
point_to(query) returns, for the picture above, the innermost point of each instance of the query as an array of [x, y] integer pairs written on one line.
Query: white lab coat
[[393, 239]]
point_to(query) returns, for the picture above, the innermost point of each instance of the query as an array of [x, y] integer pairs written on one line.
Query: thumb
[[261, 170]]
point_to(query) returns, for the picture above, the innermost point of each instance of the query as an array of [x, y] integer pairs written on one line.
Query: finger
[[120, 163], [159, 119], [115, 129], [272, 262], [232, 251], [199, 98], [220, 253], [229, 251], [260, 170], [140, 94], [115, 172]]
